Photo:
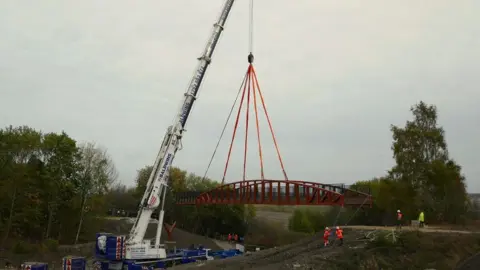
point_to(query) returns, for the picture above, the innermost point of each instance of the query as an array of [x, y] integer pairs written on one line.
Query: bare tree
[[97, 175]]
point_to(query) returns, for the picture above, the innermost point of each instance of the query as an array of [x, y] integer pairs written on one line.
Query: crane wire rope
[[249, 84], [224, 127], [244, 81], [349, 219], [250, 28]]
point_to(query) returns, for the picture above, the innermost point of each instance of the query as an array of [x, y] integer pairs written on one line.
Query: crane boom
[[156, 188]]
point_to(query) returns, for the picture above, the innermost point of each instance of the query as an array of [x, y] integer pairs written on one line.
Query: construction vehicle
[[131, 249]]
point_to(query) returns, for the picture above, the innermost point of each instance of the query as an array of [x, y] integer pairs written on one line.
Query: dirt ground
[[472, 263], [307, 253], [434, 250]]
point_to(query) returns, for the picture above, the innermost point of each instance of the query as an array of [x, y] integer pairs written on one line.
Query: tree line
[[54, 189], [424, 178], [51, 187], [208, 220]]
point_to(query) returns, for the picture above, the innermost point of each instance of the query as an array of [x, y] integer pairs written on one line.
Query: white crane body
[[136, 246]]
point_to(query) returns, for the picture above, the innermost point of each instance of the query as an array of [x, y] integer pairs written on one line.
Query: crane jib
[[192, 90]]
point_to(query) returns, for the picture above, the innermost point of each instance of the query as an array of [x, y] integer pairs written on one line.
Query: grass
[[287, 208]]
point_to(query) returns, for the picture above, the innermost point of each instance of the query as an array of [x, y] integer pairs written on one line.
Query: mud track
[[472, 263]]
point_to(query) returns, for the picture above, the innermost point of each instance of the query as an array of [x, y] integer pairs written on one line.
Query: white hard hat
[[398, 211], [338, 228], [326, 228]]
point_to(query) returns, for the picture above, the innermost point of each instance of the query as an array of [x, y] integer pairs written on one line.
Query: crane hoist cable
[[250, 87], [250, 60], [250, 28]]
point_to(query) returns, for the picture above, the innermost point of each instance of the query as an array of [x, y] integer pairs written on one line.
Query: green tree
[[418, 144], [58, 168], [205, 219], [122, 197], [301, 221], [424, 177], [39, 184], [141, 181], [433, 180], [20, 145]]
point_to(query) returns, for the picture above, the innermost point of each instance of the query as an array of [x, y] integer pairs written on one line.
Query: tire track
[[472, 263]]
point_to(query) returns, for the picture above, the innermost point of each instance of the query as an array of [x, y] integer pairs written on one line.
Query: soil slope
[[435, 250]]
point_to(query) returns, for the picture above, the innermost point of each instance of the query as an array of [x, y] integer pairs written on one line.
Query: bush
[[310, 220], [301, 221], [51, 244], [22, 247], [385, 239], [261, 233]]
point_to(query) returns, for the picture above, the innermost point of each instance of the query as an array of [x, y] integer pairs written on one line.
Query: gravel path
[[427, 230]]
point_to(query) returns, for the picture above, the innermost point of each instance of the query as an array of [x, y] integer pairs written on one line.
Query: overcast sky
[[335, 75]]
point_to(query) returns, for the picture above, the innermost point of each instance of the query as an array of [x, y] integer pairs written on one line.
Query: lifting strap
[[252, 87], [249, 87]]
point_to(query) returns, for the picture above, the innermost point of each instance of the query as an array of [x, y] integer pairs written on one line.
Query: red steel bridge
[[263, 191], [277, 192]]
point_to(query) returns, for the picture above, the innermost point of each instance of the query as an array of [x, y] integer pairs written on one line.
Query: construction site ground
[[425, 249], [431, 248], [116, 226]]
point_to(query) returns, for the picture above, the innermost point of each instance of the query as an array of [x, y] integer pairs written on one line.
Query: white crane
[[155, 192]]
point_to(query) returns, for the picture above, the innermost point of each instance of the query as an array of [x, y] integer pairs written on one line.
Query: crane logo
[[152, 200]]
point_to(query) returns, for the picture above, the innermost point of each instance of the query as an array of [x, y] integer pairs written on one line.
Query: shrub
[[51, 244], [310, 220], [22, 247], [269, 234]]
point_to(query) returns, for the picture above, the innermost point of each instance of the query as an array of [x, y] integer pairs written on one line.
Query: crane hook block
[[250, 58]]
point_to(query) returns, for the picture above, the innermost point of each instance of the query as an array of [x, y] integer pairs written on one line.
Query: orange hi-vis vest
[[236, 237], [229, 237], [326, 234], [399, 216], [339, 233]]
